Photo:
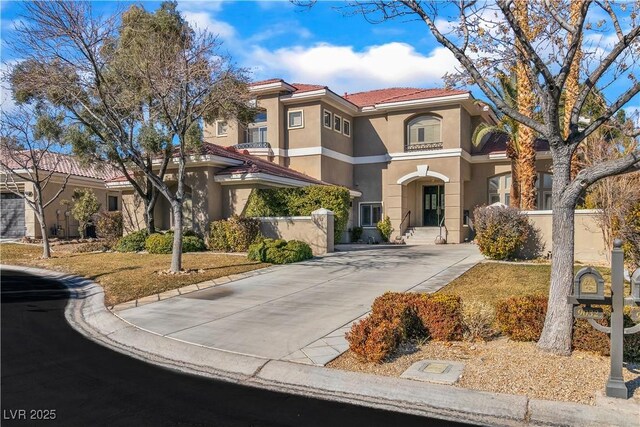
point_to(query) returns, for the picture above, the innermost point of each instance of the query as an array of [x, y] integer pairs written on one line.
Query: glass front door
[[433, 199]]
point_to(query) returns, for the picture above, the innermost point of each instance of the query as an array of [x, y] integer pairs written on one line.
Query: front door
[[433, 205]]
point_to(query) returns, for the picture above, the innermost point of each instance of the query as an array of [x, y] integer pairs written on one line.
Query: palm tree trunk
[[527, 174], [572, 88]]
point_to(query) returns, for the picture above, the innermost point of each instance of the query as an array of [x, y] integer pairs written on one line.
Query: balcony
[[423, 146], [252, 145]]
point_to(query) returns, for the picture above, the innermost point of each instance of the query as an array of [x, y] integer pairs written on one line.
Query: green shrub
[[109, 225], [193, 244], [218, 236], [522, 317], [133, 242], [385, 229], [235, 234], [279, 251], [356, 234], [502, 232], [158, 243], [302, 201]]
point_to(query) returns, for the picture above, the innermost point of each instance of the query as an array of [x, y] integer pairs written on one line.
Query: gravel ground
[[506, 366]]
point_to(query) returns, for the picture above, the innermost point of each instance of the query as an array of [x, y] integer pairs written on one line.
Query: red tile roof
[[265, 82], [398, 94], [377, 96], [252, 164], [65, 164], [496, 142], [304, 87]]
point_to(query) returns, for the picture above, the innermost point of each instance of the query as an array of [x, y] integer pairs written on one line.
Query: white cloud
[[204, 21], [344, 69], [279, 29]]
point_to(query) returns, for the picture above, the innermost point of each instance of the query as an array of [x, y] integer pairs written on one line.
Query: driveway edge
[[86, 312]]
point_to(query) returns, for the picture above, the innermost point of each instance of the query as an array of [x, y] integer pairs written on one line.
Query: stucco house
[[18, 219], [404, 152]]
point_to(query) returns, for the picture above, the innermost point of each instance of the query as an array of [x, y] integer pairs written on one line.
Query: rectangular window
[[221, 128], [296, 119], [346, 127], [260, 117], [494, 198], [327, 118], [112, 203], [547, 199], [337, 123], [370, 214], [257, 134], [420, 137]]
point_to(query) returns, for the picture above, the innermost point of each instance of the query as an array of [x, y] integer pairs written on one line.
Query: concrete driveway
[[300, 312]]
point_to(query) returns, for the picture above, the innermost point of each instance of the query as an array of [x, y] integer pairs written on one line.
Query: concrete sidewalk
[[300, 312]]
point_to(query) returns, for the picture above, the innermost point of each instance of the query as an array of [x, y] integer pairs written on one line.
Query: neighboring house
[[404, 152], [18, 220]]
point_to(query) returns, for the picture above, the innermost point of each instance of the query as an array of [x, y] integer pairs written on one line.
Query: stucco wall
[[55, 213], [589, 244], [316, 230]]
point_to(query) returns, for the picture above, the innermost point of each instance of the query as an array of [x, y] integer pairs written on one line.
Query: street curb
[[86, 312]]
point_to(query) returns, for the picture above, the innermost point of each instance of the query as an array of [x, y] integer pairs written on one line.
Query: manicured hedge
[[133, 242], [234, 234], [158, 243], [279, 251], [301, 202]]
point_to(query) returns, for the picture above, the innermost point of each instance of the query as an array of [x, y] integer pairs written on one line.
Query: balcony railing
[[250, 145], [424, 146]]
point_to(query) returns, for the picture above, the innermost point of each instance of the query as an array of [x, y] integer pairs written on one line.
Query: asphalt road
[[51, 371]]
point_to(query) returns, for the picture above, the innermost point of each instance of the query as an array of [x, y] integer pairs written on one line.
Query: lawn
[[128, 276], [489, 282]]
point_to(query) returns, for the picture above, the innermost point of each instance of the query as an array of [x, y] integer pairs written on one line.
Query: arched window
[[499, 189], [424, 131]]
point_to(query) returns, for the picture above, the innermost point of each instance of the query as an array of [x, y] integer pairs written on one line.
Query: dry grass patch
[[489, 282], [127, 276]]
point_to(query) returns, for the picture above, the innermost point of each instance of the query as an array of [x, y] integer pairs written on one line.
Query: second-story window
[[221, 128], [423, 130], [337, 123], [346, 127], [327, 118], [257, 131], [296, 119]]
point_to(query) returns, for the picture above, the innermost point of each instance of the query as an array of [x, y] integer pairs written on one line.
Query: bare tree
[[28, 148], [138, 89], [487, 39]]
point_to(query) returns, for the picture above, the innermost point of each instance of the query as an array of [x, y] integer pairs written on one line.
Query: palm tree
[[527, 174], [572, 87], [506, 126]]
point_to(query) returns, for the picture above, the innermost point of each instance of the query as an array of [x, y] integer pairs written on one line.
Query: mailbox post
[[588, 289]]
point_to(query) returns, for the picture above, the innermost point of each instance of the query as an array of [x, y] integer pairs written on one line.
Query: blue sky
[[320, 46]]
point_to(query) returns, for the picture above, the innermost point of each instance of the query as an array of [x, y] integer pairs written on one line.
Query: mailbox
[[635, 286], [588, 284]]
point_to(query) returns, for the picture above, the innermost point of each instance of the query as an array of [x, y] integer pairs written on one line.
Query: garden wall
[[589, 244], [315, 230]]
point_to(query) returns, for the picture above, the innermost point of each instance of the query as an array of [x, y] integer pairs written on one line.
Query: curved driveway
[[300, 312]]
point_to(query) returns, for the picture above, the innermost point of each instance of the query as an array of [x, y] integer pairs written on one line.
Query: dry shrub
[[398, 316], [522, 317], [586, 338], [372, 340], [478, 319]]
